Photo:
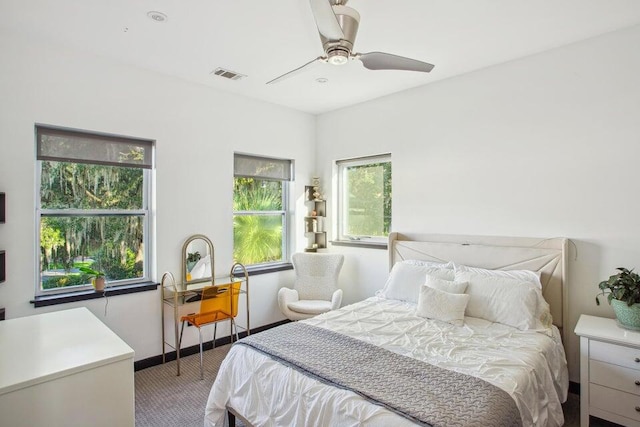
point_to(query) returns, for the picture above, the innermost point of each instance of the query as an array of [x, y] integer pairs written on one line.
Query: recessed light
[[157, 16], [322, 80]]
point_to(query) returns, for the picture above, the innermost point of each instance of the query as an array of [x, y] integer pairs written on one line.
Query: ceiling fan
[[338, 27]]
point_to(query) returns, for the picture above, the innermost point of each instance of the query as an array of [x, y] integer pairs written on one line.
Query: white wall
[[197, 129], [544, 146]]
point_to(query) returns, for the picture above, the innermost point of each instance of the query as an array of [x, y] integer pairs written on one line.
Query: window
[[364, 198], [260, 201], [93, 209]]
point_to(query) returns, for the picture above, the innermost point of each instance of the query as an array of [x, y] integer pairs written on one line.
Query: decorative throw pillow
[[503, 300], [440, 305], [445, 285], [405, 280]]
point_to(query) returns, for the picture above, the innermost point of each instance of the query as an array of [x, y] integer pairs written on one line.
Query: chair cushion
[[316, 274], [310, 306]]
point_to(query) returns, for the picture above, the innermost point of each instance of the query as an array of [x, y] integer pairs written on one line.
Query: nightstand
[[609, 371]]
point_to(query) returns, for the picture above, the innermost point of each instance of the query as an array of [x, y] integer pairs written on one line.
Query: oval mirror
[[197, 260]]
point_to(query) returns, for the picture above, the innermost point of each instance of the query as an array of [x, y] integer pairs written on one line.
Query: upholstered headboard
[[545, 256]]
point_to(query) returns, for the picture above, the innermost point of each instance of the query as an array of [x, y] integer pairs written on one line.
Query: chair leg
[[215, 330], [180, 340], [201, 369], [234, 326]]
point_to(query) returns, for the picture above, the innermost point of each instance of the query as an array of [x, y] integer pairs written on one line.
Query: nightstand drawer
[[614, 376], [618, 355], [617, 402]]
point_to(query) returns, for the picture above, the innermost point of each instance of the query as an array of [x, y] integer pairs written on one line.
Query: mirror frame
[[185, 247]]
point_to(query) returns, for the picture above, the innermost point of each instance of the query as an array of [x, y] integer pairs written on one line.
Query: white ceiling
[[266, 38]]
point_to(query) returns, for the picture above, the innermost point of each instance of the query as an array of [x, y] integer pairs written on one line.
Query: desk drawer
[[628, 357], [617, 402], [614, 376]]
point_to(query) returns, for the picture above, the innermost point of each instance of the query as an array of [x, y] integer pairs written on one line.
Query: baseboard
[[574, 387], [194, 349]]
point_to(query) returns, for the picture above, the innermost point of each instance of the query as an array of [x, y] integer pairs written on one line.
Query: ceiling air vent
[[232, 75]]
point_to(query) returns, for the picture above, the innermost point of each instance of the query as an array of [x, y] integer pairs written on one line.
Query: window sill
[[64, 298], [360, 244], [265, 269]]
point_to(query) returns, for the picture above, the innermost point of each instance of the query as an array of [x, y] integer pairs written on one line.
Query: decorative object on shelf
[[314, 222], [97, 277], [316, 189], [623, 293]]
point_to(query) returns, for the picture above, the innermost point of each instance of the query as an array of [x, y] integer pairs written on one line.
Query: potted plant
[[97, 277], [623, 293]]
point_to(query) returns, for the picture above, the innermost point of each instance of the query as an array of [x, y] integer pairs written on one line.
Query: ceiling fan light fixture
[[338, 57]]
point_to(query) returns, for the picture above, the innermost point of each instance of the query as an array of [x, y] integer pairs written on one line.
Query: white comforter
[[530, 366]]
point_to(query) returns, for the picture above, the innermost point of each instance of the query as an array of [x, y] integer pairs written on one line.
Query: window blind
[[377, 158], [82, 147], [248, 166]]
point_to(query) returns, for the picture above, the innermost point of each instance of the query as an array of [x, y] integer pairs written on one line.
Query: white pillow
[[523, 275], [452, 287], [405, 280], [544, 320], [441, 305], [503, 300]]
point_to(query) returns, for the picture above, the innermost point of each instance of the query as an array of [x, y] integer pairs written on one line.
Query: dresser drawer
[[617, 402], [628, 357], [614, 376]]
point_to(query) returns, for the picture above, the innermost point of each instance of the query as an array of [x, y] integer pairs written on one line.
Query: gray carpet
[[164, 399]]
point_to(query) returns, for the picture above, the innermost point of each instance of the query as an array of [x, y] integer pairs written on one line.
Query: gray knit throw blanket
[[424, 393]]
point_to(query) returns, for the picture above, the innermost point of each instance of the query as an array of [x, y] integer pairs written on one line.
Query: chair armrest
[[286, 296], [336, 299]]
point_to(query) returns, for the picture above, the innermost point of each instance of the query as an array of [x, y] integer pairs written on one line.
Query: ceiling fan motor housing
[[349, 19]]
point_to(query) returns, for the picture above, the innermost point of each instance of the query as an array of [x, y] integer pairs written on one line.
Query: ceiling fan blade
[[387, 61], [296, 71], [326, 20]]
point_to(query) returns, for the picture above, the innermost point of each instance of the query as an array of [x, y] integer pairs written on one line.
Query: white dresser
[[609, 371], [65, 368]]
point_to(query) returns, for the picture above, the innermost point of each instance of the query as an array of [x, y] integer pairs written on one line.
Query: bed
[[473, 361]]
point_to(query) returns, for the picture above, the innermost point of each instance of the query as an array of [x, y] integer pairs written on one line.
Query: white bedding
[[530, 366]]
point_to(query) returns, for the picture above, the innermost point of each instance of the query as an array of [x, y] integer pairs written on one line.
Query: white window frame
[[285, 177], [144, 212], [342, 199]]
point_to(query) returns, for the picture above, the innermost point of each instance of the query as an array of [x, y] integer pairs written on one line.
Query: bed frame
[[548, 257]]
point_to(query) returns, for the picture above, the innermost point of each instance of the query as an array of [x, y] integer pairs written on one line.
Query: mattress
[[530, 366]]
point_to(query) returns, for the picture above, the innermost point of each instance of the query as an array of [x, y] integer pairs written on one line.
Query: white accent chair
[[315, 289]]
